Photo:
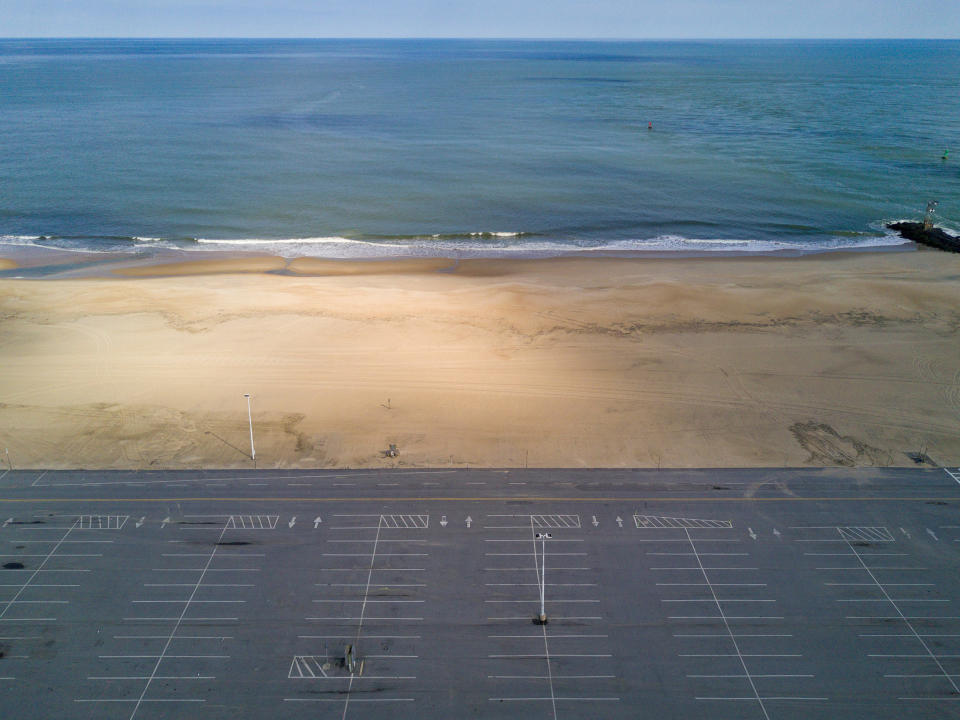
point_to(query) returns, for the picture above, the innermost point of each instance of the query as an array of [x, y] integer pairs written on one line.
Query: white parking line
[[65, 542], [744, 676], [569, 635], [139, 702], [369, 637], [390, 585], [737, 655], [530, 601], [723, 635], [147, 677], [545, 677], [179, 637], [547, 655], [725, 618], [553, 699], [706, 568], [535, 585], [555, 617], [345, 619], [517, 569], [370, 601], [765, 698], [714, 584], [355, 700]]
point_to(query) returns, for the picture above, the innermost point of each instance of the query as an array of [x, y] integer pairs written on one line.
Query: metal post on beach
[[253, 452]]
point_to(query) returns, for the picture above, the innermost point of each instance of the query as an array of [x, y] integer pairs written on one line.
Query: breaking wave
[[480, 244]]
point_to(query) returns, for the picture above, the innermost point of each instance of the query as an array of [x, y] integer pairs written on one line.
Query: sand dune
[[833, 359]]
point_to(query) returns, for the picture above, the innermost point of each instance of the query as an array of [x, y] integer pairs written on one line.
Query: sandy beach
[[834, 359]]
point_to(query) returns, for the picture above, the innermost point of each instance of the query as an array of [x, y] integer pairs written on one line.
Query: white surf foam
[[499, 245]]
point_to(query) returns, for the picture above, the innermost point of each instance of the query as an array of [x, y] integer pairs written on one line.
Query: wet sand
[[835, 359]]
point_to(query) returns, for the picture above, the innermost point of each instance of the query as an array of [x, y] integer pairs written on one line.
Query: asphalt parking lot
[[722, 594]]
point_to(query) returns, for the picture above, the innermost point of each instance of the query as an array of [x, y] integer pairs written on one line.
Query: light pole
[[543, 537], [253, 452]]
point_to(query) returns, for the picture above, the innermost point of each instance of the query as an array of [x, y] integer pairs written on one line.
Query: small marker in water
[[946, 155], [649, 126]]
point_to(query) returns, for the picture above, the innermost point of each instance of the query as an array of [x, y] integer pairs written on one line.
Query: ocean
[[465, 148]]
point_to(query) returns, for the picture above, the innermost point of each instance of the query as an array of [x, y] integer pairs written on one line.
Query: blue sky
[[481, 18]]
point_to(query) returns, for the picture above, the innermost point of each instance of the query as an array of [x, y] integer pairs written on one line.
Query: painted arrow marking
[[139, 522], [594, 520], [776, 532], [619, 521], [165, 522], [932, 534], [7, 521], [316, 522], [469, 520], [443, 520], [292, 522], [905, 533], [751, 533]]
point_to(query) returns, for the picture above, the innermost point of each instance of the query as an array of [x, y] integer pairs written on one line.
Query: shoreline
[[55, 264]]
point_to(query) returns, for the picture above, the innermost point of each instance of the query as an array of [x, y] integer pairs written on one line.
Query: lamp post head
[[247, 395]]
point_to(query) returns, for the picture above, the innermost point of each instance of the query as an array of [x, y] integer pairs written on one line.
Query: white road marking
[[369, 637], [553, 699], [155, 700], [556, 677], [145, 677], [778, 697], [356, 700], [547, 655], [659, 521], [181, 637], [756, 676], [570, 635]]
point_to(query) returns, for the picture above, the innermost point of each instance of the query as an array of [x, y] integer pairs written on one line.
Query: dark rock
[[934, 237]]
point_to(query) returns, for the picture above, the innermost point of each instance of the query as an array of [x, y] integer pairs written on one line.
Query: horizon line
[[543, 38]]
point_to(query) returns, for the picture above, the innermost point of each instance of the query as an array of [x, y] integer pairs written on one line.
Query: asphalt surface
[[669, 594]]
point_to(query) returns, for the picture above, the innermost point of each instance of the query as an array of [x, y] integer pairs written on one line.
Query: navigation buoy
[[946, 154], [649, 126]]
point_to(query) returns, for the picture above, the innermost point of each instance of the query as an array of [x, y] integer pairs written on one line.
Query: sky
[[482, 18]]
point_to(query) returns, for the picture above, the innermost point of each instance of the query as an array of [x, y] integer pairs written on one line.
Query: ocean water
[[371, 148]]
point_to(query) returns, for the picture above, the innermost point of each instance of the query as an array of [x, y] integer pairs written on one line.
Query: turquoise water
[[369, 148]]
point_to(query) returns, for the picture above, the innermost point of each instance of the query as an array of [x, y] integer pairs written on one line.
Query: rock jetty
[[932, 236]]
